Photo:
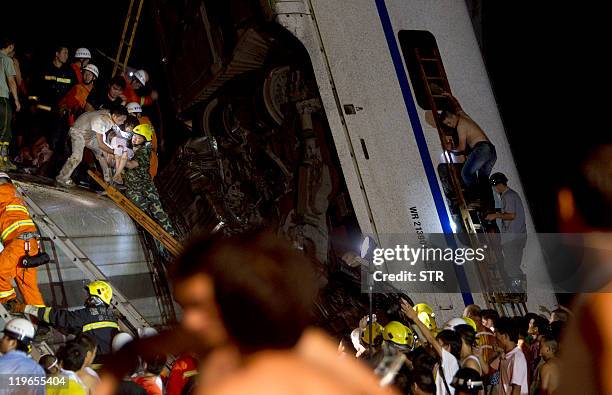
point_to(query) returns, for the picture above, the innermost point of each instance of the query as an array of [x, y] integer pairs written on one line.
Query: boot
[[8, 165]]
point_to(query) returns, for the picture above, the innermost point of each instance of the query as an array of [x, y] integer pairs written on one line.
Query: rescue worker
[[399, 336], [184, 369], [82, 57], [97, 319], [19, 237], [427, 316], [15, 361], [55, 81], [140, 187], [136, 110], [135, 82], [89, 131], [76, 98]]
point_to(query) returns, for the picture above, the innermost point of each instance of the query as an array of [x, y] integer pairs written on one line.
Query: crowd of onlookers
[[479, 353]]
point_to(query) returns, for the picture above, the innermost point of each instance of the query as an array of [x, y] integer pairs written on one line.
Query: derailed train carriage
[[310, 116]]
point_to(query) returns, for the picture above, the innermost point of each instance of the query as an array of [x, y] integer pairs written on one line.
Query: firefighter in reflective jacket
[[19, 238], [97, 319]]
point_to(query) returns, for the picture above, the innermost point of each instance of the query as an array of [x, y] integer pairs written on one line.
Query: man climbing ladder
[[19, 238]]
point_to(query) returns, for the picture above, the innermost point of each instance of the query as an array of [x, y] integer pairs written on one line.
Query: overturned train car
[[310, 116]]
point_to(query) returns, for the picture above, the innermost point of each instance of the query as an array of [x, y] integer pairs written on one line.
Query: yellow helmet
[[470, 322], [399, 334], [426, 315], [145, 130], [102, 290], [377, 331]]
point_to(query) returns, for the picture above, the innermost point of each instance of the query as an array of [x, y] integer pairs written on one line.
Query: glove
[[17, 307]]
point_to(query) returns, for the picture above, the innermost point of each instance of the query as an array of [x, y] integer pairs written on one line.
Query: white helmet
[[4, 175], [141, 76], [82, 53], [120, 340], [21, 329], [93, 69], [133, 107], [147, 332], [453, 322]]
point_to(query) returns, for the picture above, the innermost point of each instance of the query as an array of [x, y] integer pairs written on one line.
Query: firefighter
[[76, 98], [82, 57], [97, 319], [20, 238], [15, 361], [140, 187], [56, 79], [399, 336], [136, 110], [135, 81]]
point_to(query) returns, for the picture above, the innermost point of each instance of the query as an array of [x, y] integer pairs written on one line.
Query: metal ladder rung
[[80, 259]]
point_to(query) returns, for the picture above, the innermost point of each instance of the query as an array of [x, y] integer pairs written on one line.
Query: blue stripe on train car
[[419, 136]]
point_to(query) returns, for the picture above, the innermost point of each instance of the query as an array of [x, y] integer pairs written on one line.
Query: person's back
[[312, 367], [84, 122], [473, 133], [19, 363]]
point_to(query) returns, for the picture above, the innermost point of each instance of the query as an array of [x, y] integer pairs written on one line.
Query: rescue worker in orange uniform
[[82, 57], [19, 238], [76, 98], [135, 81], [185, 368]]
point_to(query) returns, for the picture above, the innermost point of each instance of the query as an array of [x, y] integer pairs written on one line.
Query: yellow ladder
[[169, 242], [125, 47]]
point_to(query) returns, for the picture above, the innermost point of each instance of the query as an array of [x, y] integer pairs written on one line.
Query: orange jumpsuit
[[14, 221], [131, 95], [74, 101], [77, 71]]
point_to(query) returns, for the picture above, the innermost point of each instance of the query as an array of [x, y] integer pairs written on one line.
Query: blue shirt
[[18, 364], [512, 203]]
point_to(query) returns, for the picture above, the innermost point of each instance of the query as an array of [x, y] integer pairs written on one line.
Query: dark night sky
[[544, 62]]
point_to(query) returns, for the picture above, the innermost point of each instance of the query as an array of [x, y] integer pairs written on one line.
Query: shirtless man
[[479, 163], [548, 379]]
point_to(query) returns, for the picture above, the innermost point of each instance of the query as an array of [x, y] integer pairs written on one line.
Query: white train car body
[[388, 153]]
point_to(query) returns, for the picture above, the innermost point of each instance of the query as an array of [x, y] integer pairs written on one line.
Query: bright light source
[[365, 247]]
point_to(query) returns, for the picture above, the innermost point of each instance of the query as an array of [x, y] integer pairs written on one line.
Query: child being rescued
[[119, 142]]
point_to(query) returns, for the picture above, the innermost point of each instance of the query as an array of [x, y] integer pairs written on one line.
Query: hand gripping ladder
[[131, 317]]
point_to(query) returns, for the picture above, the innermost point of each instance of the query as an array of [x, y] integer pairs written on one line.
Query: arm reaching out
[[412, 315]]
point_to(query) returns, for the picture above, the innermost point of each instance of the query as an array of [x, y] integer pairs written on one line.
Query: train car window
[[423, 43]]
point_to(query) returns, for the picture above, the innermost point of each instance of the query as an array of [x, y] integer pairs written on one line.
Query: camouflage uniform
[[141, 190]]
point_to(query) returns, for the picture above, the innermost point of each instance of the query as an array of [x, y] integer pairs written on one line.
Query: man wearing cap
[[15, 362], [513, 229]]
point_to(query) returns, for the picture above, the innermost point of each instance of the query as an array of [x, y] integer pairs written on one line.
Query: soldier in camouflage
[[140, 187]]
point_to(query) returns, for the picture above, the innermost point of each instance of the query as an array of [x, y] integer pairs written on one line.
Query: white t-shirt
[[513, 370], [450, 367], [94, 122]]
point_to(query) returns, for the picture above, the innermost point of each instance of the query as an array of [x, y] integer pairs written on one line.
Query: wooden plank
[[169, 242]]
